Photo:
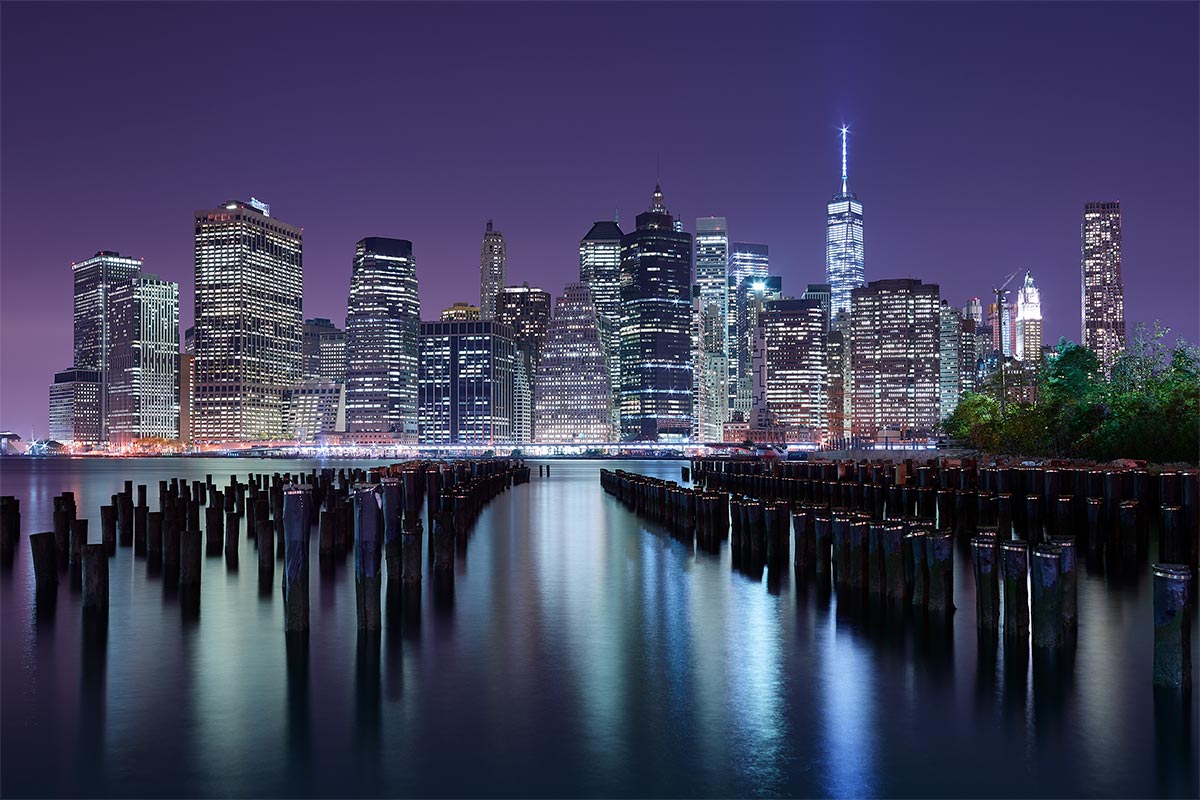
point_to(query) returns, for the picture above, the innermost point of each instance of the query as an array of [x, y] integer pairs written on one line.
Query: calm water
[[582, 652]]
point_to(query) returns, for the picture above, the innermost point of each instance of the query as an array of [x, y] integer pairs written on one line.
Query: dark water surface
[[583, 652]]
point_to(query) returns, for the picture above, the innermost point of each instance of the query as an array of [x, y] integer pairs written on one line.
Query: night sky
[[978, 132]]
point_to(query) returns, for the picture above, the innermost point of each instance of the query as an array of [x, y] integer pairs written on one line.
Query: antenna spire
[[844, 129]]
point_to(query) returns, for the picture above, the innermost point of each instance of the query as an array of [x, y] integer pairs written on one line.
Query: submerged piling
[[1014, 575], [987, 584], [1047, 596], [1172, 626], [296, 502], [367, 556]]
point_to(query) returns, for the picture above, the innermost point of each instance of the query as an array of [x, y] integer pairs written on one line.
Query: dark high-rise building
[[75, 407], [527, 311], [894, 352], [656, 336], [600, 269], [383, 320], [249, 279], [492, 268], [467, 372], [324, 351], [143, 385], [572, 392], [95, 279], [845, 261], [187, 398], [1103, 305]]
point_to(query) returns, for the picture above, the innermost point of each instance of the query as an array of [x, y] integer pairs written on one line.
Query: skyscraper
[[974, 310], [895, 339], [95, 279], [466, 382], [712, 366], [1029, 322], [249, 280], [749, 299], [383, 319], [600, 269], [1103, 295], [460, 312], [796, 364], [492, 268], [75, 407], [315, 408], [187, 398], [143, 384], [572, 392], [712, 260], [324, 351], [656, 312], [527, 311], [845, 262], [746, 262], [823, 295], [950, 358]]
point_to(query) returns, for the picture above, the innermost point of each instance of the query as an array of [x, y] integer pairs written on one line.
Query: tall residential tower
[[1103, 295], [493, 264]]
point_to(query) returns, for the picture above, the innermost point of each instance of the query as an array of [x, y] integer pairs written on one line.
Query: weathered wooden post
[[823, 537], [45, 556], [987, 585], [1069, 568], [1172, 544], [1172, 626], [895, 580], [802, 528], [10, 524], [917, 567], [939, 559], [296, 500], [79, 540], [232, 528], [190, 559], [367, 555], [124, 509], [95, 579], [1014, 576], [154, 540], [108, 527], [1047, 596]]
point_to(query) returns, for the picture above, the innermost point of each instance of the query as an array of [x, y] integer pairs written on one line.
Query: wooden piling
[[1172, 626], [1014, 576], [95, 579], [296, 500], [368, 555]]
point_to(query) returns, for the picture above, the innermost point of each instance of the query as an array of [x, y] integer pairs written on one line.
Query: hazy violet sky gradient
[[978, 132]]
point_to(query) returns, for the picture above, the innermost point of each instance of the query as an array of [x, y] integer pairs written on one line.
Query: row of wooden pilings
[[376, 513], [884, 533]]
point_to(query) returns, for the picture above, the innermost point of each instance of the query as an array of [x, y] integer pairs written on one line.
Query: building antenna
[[844, 129]]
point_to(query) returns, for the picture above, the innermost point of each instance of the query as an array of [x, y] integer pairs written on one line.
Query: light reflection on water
[[580, 650]]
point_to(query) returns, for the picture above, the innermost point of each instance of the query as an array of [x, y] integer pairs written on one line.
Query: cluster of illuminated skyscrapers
[[666, 336]]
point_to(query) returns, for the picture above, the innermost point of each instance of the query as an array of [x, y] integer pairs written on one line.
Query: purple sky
[[978, 133]]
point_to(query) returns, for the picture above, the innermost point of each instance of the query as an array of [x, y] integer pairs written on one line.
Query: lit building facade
[[1103, 294], [823, 294], [493, 263], [315, 408], [950, 361], [712, 366], [249, 291], [749, 299], [466, 382], [712, 261], [656, 336], [75, 407], [1029, 322], [94, 282], [845, 255], [572, 393], [797, 380], [143, 378], [600, 269], [383, 320], [894, 352], [324, 351], [527, 311], [747, 262], [187, 398], [460, 312]]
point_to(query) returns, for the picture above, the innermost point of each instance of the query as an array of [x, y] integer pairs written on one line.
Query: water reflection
[[569, 649]]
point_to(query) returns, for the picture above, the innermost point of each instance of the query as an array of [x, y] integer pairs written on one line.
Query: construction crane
[[1000, 293]]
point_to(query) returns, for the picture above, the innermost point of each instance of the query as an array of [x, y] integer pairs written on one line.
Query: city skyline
[[1009, 171]]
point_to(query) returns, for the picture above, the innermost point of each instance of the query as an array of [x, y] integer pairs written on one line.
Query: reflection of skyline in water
[[586, 652]]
